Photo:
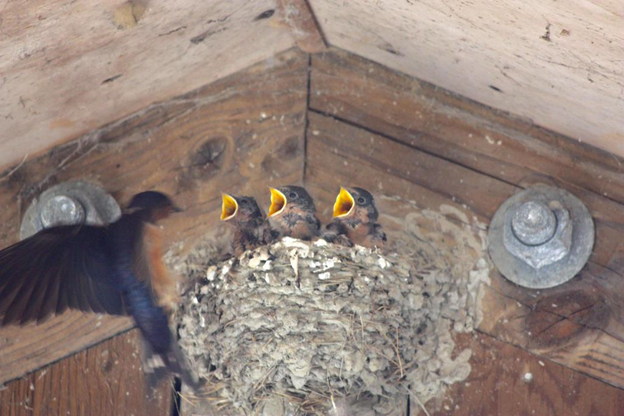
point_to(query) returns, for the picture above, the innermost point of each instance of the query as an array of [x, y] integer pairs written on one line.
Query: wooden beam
[[404, 171], [304, 26], [506, 380], [576, 325], [106, 379], [424, 117], [66, 70], [558, 68], [463, 131], [230, 136]]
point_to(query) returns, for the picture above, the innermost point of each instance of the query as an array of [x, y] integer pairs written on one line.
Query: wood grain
[[558, 67], [436, 122], [340, 154], [404, 178], [472, 135], [66, 70], [498, 385], [230, 136], [338, 149], [578, 325], [299, 17], [106, 379]]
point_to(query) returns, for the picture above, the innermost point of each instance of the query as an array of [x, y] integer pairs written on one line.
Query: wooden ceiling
[[559, 64], [70, 66]]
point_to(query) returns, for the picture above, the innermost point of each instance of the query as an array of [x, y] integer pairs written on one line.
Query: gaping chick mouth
[[344, 203], [278, 202], [229, 209]]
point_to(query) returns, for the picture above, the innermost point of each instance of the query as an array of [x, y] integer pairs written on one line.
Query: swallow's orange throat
[[229, 208], [344, 203], [278, 202]]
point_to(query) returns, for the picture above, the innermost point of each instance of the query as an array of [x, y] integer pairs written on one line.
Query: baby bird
[[293, 214], [251, 229], [355, 220]]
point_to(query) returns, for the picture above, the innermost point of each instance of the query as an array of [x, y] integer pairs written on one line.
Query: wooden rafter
[[306, 31]]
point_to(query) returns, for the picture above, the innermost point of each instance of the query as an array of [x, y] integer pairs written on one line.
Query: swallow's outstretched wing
[[55, 270]]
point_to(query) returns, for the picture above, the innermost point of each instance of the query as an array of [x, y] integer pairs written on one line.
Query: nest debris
[[300, 328]]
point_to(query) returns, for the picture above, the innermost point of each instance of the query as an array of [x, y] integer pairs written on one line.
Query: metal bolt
[[534, 223], [68, 203], [61, 210], [541, 237]]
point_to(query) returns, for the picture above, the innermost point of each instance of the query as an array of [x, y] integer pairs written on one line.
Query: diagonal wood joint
[[306, 31]]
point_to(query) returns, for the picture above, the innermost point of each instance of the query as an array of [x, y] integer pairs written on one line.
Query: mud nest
[[300, 328]]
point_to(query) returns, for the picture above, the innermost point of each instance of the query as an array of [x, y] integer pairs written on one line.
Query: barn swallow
[[293, 214], [115, 269], [251, 229], [355, 217]]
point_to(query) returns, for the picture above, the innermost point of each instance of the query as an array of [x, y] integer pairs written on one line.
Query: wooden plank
[[559, 68], [577, 324], [67, 70], [403, 178], [506, 380], [25, 349], [427, 117], [341, 150], [421, 116], [106, 379], [304, 27], [230, 136], [356, 156]]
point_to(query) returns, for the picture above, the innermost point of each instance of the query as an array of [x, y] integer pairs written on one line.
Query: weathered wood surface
[[67, 69], [467, 133], [24, 349], [558, 66], [578, 325], [231, 136], [340, 154], [506, 380], [424, 117], [304, 27], [390, 168], [410, 173], [105, 380]]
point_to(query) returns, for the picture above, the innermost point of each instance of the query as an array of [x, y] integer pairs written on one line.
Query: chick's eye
[[361, 200], [292, 195], [244, 202]]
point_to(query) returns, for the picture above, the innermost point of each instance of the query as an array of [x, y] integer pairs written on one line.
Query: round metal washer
[[100, 208], [554, 274]]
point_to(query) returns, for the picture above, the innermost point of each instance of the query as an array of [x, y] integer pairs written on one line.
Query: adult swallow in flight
[[293, 214], [115, 269], [355, 217], [251, 229]]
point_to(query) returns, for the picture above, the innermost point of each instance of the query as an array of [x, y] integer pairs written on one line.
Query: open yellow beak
[[229, 207], [344, 203], [278, 202]]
